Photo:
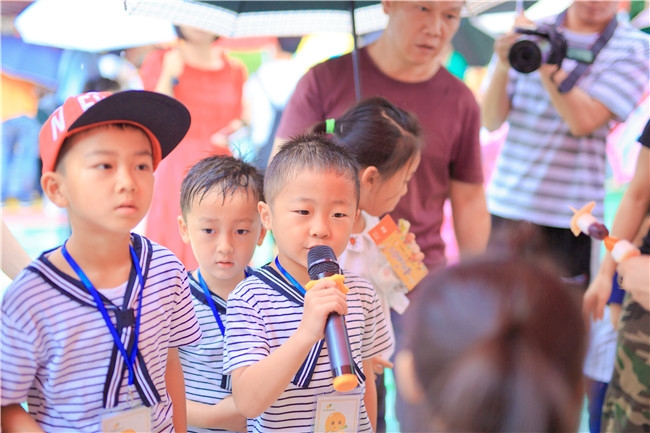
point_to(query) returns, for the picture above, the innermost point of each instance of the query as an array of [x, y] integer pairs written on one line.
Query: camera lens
[[525, 56]]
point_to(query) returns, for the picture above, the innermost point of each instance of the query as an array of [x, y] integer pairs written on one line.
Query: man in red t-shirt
[[403, 65]]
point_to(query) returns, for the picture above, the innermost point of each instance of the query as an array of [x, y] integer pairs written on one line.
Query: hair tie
[[329, 126]]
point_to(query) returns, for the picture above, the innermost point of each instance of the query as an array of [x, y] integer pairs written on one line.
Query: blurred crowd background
[[52, 49]]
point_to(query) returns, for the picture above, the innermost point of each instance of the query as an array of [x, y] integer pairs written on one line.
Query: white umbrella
[[89, 25], [498, 23], [278, 18]]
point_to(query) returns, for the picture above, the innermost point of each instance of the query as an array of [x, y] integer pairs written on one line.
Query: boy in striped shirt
[[90, 330], [219, 197], [281, 371]]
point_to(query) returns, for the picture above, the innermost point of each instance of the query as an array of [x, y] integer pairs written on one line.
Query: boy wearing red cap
[[90, 329]]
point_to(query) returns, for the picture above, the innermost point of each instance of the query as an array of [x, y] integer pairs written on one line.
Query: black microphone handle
[[336, 336]]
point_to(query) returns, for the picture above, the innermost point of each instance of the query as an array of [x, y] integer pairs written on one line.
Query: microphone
[[321, 263]]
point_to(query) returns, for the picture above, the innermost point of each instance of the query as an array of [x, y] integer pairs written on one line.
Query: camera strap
[[582, 66]]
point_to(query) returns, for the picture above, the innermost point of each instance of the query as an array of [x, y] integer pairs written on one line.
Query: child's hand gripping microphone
[[321, 263]]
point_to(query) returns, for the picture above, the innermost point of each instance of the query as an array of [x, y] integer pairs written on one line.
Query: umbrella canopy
[[280, 17], [89, 25], [499, 20], [34, 63], [262, 18]]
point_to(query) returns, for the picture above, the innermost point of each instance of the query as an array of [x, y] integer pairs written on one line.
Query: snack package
[[391, 240], [584, 222]]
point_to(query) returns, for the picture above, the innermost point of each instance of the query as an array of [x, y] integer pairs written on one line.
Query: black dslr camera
[[543, 45]]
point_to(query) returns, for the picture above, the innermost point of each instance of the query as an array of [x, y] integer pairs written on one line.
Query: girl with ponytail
[[386, 143]]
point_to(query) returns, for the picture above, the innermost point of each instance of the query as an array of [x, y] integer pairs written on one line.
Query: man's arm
[[495, 104], [222, 415], [635, 274], [628, 219], [175, 383], [470, 215], [15, 419], [580, 111]]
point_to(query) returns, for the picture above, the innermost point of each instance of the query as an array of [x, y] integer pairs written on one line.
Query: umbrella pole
[[355, 55], [519, 7]]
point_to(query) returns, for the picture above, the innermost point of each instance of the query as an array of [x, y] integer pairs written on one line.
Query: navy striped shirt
[[260, 319], [55, 351], [203, 361]]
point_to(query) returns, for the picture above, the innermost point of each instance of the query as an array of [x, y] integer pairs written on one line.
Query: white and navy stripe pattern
[[306, 370], [56, 352], [260, 319], [203, 361], [542, 168]]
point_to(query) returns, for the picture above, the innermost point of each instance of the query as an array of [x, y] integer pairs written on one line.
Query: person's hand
[[321, 300], [503, 43], [596, 297], [502, 47], [614, 314], [634, 277], [173, 64], [522, 20], [220, 138], [379, 363], [417, 253]]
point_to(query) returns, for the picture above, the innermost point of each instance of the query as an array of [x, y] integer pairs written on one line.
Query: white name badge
[[337, 413], [128, 421]]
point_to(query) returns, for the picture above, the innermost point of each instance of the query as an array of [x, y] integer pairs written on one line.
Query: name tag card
[[128, 421]]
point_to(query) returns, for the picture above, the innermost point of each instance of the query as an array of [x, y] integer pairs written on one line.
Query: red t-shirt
[[214, 99], [450, 119]]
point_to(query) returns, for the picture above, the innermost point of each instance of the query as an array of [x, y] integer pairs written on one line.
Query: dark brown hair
[[308, 152], [498, 345], [227, 173], [378, 134]]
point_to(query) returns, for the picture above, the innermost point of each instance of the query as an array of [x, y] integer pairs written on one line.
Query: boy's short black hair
[[227, 173], [313, 152]]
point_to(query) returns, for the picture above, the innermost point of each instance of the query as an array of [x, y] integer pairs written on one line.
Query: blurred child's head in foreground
[[495, 344]]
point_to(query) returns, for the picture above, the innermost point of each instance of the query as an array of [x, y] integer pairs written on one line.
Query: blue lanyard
[[288, 276], [208, 297], [129, 359]]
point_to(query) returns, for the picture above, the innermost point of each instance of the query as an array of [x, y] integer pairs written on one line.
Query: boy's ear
[[262, 235], [265, 215], [182, 229], [368, 176], [52, 185]]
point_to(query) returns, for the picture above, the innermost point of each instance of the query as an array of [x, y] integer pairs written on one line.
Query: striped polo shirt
[[203, 361], [260, 319], [542, 169], [55, 351]]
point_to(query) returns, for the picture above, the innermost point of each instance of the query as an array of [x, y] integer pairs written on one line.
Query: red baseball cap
[[164, 119]]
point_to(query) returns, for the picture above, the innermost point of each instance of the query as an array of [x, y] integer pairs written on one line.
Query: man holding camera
[[559, 117], [594, 71]]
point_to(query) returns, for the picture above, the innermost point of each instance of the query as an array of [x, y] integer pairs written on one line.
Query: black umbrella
[[474, 44], [280, 17]]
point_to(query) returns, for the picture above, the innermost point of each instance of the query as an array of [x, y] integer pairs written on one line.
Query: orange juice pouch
[[391, 241]]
